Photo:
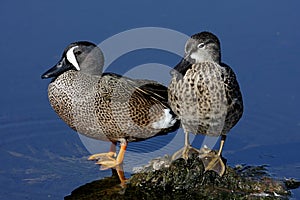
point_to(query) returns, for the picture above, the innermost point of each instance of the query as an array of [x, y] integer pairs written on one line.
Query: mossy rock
[[182, 179]]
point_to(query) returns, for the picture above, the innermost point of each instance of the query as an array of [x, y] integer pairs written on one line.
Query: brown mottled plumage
[[106, 106], [205, 95]]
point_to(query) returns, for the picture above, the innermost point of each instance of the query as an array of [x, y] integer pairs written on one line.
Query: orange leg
[[106, 164], [121, 154]]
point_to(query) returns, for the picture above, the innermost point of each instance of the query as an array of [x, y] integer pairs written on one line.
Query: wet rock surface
[[163, 179]]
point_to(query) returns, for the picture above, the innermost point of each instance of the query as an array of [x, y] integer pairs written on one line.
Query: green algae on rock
[[189, 179], [181, 179]]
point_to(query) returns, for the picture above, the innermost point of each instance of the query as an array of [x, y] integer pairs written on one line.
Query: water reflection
[[42, 163], [108, 186]]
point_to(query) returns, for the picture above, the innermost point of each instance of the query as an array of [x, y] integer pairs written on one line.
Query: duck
[[107, 106], [205, 95]]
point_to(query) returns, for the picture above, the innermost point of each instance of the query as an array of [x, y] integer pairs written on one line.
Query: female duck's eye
[[200, 46]]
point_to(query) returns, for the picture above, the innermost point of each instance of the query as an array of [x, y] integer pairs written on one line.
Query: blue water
[[42, 158]]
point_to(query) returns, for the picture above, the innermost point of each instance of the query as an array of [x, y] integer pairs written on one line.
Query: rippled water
[[42, 158]]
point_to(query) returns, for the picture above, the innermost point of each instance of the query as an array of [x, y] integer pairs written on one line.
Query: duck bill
[[58, 69], [183, 65]]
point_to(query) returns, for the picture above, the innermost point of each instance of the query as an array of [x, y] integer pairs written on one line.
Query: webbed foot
[[213, 161], [184, 152]]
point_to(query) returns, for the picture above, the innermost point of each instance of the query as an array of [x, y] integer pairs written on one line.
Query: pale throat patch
[[201, 56], [71, 57]]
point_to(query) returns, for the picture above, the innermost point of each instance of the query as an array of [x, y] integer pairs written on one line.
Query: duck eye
[[77, 53], [200, 46]]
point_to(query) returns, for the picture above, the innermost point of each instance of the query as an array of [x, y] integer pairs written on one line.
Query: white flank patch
[[72, 59], [165, 122]]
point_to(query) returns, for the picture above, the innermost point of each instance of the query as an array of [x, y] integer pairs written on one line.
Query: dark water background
[[42, 158]]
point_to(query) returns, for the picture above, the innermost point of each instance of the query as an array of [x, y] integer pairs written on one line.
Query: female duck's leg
[[213, 161], [184, 152]]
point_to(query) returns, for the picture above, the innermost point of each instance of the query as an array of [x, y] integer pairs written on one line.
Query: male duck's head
[[81, 56]]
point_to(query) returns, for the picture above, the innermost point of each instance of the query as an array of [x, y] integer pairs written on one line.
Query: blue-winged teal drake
[[205, 95], [106, 106]]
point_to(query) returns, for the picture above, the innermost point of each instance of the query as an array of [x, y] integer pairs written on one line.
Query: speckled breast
[[199, 98]]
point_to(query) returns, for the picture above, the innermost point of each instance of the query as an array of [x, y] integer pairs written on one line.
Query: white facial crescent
[[71, 58]]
